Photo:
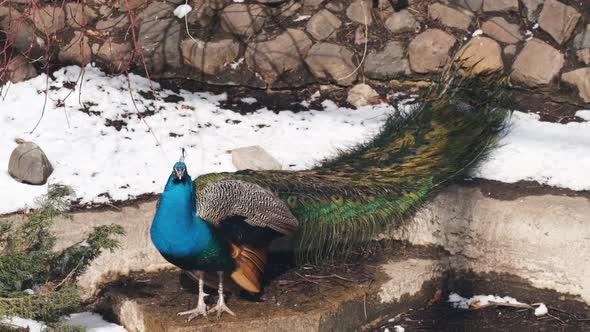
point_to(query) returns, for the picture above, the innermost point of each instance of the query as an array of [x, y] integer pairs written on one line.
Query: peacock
[[224, 222]]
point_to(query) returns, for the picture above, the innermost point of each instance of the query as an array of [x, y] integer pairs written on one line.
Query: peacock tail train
[[345, 201]]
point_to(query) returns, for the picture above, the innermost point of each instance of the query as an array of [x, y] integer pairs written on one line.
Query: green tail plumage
[[349, 199]]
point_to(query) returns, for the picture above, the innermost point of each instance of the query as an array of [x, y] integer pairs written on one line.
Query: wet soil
[[565, 312]]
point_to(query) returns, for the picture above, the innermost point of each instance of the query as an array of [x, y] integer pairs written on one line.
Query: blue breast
[[176, 231]]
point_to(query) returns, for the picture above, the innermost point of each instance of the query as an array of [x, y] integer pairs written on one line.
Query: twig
[[557, 318], [331, 276], [306, 279], [69, 275], [366, 44]]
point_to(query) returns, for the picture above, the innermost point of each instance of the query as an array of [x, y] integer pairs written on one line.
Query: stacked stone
[[291, 43]]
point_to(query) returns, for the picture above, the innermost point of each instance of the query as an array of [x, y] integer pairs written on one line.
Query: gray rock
[[473, 5], [332, 62], [201, 15], [388, 63], [218, 4], [29, 164], [532, 9], [19, 69], [582, 40], [502, 31], [402, 21], [360, 11], [117, 55], [580, 78], [323, 24], [500, 6], [312, 3], [254, 158], [78, 15], [113, 22], [335, 6], [289, 9], [273, 58], [159, 37], [243, 20], [429, 51], [451, 17], [584, 56], [362, 95], [76, 51], [209, 57], [537, 64], [558, 20], [481, 55], [49, 19]]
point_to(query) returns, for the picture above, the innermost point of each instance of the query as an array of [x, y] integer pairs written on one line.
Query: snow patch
[[477, 32], [548, 153], [459, 302], [583, 114], [32, 325], [302, 18], [92, 322], [541, 310], [182, 10]]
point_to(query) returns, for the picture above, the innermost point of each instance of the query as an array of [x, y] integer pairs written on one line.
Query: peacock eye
[[292, 201]]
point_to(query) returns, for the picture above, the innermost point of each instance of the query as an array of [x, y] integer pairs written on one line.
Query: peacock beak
[[179, 173]]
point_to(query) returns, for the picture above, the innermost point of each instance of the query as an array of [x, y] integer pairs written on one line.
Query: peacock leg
[[220, 307], [201, 308]]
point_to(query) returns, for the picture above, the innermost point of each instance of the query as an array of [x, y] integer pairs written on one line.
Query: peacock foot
[[220, 307], [201, 309]]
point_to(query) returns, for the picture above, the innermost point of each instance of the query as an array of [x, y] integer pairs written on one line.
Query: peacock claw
[[221, 308], [194, 313]]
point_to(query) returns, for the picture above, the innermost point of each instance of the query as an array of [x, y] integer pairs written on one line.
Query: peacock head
[[179, 171]]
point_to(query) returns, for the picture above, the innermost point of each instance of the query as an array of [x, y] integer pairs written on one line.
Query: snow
[[104, 164], [398, 328], [94, 158], [459, 302], [182, 10], [583, 114], [541, 310], [477, 33], [32, 325], [249, 100], [91, 321], [302, 18], [548, 153]]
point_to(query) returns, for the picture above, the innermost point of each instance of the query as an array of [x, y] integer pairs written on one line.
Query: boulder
[[532, 9], [273, 58], [429, 51], [243, 20], [311, 3], [332, 62], [537, 64], [510, 51], [159, 37], [580, 78], [209, 57], [19, 69], [49, 19], [473, 5], [480, 55], [584, 56], [76, 51], [335, 6], [323, 24], [449, 16], [582, 40], [402, 21], [388, 63], [117, 55], [360, 11], [29, 164], [362, 95], [78, 15], [558, 20], [254, 158], [500, 6], [502, 31], [113, 22]]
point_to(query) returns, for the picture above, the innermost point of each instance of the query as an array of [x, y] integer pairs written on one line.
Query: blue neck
[[176, 231]]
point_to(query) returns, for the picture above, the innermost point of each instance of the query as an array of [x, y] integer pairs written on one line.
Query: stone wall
[[288, 43]]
